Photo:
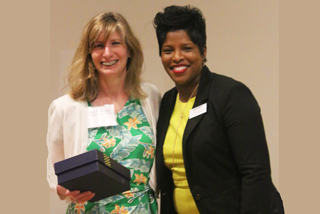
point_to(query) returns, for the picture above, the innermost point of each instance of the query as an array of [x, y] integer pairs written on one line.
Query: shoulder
[[222, 81], [230, 94], [217, 81], [222, 90], [224, 85], [151, 90], [172, 92], [65, 103], [65, 99], [152, 101]]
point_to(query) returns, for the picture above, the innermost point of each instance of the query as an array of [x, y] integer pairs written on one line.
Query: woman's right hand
[[76, 196]]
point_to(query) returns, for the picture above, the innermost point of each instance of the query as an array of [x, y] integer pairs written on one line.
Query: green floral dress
[[130, 143]]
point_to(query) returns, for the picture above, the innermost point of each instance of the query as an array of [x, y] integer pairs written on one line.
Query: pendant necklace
[[179, 123]]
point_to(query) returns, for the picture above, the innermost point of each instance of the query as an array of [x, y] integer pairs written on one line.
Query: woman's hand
[[76, 196]]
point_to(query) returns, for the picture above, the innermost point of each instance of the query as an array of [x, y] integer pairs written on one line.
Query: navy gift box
[[93, 171]]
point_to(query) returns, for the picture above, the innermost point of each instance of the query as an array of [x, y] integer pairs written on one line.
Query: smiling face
[[181, 58], [110, 57]]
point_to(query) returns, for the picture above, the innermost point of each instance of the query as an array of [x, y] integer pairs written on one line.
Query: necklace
[[179, 123]]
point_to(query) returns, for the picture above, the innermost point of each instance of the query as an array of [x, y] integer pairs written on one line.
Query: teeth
[[109, 63], [180, 68]]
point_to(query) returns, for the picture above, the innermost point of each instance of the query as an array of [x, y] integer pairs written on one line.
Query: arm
[[150, 106], [55, 146], [246, 135]]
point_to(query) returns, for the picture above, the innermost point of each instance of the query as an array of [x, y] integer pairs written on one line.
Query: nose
[[177, 56], [107, 51]]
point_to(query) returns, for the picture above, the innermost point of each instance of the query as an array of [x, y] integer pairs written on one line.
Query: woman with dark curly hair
[[211, 154]]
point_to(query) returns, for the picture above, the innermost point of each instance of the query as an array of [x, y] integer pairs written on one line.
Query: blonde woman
[[106, 71]]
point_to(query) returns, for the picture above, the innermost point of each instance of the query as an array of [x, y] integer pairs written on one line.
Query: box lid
[[88, 157]]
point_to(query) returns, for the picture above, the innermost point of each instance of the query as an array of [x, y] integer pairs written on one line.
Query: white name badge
[[101, 116], [197, 111]]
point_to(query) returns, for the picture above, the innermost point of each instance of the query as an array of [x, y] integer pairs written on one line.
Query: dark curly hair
[[185, 18]]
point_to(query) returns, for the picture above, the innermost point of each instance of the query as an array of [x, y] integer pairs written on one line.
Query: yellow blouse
[[173, 159]]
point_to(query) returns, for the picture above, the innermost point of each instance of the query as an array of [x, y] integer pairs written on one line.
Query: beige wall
[[243, 42]]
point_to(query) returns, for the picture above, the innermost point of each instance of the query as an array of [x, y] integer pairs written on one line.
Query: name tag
[[198, 111], [101, 116]]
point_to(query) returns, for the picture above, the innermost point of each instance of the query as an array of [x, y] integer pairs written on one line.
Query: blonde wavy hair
[[82, 75]]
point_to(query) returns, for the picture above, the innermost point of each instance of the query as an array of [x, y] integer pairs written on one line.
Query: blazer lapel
[[202, 97], [166, 109]]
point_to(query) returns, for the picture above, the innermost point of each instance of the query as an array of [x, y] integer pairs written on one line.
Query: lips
[[179, 68], [109, 63]]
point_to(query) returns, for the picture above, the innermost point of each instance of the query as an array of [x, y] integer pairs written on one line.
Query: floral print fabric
[[131, 143]]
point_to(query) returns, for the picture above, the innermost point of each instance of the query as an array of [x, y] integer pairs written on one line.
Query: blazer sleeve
[[245, 131]]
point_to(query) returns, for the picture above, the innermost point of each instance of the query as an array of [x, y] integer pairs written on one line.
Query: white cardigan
[[68, 133]]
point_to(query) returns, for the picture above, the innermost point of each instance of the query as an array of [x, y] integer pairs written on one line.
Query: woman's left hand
[[76, 196], [80, 197]]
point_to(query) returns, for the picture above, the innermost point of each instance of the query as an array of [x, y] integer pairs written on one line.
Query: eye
[[167, 50], [98, 45], [116, 43], [187, 48]]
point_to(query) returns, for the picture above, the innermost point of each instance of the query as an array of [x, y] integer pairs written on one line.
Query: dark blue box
[[93, 171]]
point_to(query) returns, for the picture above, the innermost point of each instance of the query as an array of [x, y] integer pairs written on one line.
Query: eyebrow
[[112, 40], [184, 44]]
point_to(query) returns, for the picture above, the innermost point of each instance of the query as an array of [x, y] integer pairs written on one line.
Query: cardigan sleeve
[[150, 106], [245, 131], [54, 144]]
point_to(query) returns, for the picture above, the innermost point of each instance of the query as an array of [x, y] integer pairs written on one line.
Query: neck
[[111, 92], [111, 85], [188, 91]]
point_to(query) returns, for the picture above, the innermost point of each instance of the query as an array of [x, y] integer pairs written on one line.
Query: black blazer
[[224, 150]]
